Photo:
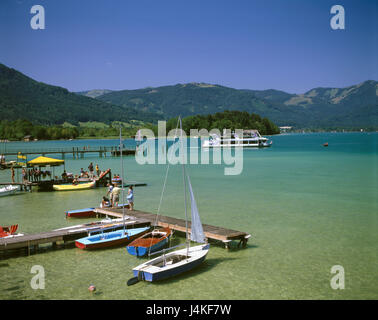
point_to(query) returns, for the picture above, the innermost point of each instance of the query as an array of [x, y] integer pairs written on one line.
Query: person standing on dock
[[130, 198], [24, 175], [90, 167], [12, 173], [109, 193], [115, 195]]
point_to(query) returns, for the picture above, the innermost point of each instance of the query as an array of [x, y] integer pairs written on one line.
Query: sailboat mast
[[122, 182], [184, 180]]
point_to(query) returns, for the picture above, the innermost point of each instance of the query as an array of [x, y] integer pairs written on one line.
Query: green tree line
[[226, 120]]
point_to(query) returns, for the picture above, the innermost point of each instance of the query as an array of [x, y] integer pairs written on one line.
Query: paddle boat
[[150, 242], [74, 187]]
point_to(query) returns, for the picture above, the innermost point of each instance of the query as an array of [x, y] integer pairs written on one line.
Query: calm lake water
[[307, 208]]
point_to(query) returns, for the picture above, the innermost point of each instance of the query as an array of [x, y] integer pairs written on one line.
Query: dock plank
[[211, 232]]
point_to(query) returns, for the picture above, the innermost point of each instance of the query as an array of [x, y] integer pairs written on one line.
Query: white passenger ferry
[[250, 139]]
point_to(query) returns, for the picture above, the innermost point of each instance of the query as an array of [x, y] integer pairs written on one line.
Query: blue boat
[[109, 239], [150, 242]]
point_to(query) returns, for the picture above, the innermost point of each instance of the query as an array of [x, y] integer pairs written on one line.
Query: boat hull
[[151, 273], [88, 212], [8, 190], [137, 248], [110, 239], [70, 187], [81, 213]]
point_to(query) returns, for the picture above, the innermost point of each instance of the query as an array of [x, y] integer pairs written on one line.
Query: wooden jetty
[[77, 152], [32, 241], [134, 219], [211, 232]]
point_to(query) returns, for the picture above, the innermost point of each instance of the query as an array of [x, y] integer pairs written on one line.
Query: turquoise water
[[307, 208]]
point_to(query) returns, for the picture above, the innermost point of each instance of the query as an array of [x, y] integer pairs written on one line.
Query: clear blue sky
[[121, 44]]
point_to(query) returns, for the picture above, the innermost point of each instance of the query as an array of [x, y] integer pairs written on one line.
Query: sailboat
[[112, 238], [173, 263]]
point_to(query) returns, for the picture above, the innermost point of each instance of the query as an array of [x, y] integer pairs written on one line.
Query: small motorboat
[[150, 242], [8, 190], [325, 144], [74, 187], [110, 239], [8, 231], [89, 212]]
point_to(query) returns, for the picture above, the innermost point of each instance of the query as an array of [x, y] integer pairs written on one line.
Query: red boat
[[8, 231], [81, 213], [89, 212]]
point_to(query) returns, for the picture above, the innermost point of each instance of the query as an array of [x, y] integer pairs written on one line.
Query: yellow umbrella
[[45, 161]]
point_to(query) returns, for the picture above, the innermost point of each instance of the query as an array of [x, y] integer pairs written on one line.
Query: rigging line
[[162, 192], [122, 181], [185, 200]]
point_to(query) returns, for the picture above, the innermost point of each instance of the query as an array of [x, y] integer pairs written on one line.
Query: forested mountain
[[354, 106], [24, 98]]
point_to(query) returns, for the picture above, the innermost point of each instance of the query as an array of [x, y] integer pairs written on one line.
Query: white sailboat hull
[[171, 264], [8, 190]]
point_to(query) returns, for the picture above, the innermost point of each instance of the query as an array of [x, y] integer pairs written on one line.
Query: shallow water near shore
[[307, 207]]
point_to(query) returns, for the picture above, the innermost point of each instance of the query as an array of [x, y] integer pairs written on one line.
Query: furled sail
[[197, 234]]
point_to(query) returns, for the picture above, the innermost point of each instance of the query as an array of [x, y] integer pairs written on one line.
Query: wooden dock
[[134, 219], [32, 241], [211, 232], [77, 152]]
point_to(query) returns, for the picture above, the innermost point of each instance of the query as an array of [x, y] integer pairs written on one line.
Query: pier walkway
[[211, 232], [32, 241], [133, 219], [75, 151]]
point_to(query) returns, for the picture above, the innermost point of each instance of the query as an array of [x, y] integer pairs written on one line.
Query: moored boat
[[171, 264], [110, 239], [8, 190], [81, 213], [74, 187], [6, 231], [89, 212], [150, 242]]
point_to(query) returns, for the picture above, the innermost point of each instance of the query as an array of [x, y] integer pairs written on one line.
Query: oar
[[132, 281]]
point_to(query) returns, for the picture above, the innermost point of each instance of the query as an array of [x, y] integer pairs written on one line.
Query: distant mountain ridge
[[94, 93], [22, 97], [352, 106]]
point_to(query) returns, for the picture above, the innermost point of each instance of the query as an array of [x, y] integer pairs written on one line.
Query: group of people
[[90, 172], [33, 174], [112, 196]]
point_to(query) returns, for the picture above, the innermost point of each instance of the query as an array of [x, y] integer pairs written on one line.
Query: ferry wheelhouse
[[250, 139]]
